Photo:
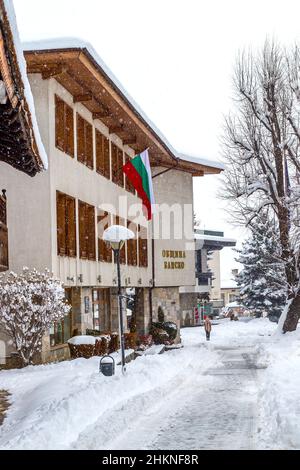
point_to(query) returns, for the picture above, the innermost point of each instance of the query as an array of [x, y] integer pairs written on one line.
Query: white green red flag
[[138, 171]]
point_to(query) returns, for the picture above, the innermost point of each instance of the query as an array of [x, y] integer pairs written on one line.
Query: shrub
[[130, 340], [114, 343], [160, 315], [172, 330]]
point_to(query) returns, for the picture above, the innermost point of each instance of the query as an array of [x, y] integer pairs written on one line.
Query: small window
[[85, 142], [102, 155], [64, 127], [117, 158], [61, 331], [66, 225], [87, 243]]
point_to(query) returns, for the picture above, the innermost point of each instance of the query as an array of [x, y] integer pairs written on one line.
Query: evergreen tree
[[262, 282]]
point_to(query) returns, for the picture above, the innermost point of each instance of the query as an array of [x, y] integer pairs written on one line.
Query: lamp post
[[116, 235]]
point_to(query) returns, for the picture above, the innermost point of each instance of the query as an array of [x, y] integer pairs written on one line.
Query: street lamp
[[116, 235]]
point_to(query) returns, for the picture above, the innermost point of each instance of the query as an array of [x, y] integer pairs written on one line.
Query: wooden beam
[[58, 70], [130, 140], [82, 98], [116, 129], [101, 115]]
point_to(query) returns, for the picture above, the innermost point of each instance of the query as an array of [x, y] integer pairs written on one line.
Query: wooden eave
[[17, 141], [80, 74]]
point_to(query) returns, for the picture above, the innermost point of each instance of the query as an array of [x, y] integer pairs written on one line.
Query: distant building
[[207, 289]]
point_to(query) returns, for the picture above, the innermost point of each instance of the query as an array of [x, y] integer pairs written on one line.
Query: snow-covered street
[[204, 396]]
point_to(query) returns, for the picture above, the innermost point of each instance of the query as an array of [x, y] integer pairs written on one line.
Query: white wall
[[174, 190]]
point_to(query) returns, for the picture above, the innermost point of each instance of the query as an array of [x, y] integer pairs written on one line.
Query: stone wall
[[168, 299], [188, 302]]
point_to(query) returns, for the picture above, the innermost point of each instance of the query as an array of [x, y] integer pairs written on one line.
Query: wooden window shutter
[[132, 245], [104, 251], [69, 130], [100, 153], [4, 264], [71, 227], [106, 158], [89, 145], [135, 246], [128, 185], [80, 139], [59, 123], [120, 221], [143, 246], [61, 218], [83, 225], [114, 162], [91, 233], [120, 165]]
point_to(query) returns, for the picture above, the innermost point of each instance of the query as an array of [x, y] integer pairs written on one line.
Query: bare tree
[[262, 150]]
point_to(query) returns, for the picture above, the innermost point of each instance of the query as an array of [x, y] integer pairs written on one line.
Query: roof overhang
[[20, 143], [79, 69]]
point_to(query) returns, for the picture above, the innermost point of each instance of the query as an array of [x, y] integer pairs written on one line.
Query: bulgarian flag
[[138, 171]]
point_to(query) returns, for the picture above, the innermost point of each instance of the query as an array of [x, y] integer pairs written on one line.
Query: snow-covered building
[[20, 142], [206, 290], [90, 127]]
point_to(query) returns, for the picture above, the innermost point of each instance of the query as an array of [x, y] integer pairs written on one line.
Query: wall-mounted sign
[[174, 254]]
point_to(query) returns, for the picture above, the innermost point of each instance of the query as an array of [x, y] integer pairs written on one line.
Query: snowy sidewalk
[[239, 391]]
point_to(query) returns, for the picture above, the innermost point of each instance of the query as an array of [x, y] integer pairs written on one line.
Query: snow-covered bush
[[29, 305]]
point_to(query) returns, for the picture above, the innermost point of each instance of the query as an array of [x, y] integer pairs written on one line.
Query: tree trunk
[[293, 315]]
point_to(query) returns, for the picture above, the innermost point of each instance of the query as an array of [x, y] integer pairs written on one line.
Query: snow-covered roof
[[229, 284], [202, 161], [202, 236], [73, 43], [28, 98]]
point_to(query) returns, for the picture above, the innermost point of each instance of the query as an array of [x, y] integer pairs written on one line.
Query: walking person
[[207, 327]]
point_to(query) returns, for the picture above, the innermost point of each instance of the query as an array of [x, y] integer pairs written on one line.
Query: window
[[119, 221], [128, 184], [104, 250], [143, 247], [61, 331], [102, 155], [117, 158], [101, 309], [132, 246], [64, 127], [85, 142], [87, 234], [66, 225], [3, 235]]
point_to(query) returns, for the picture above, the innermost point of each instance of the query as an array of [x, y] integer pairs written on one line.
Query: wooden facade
[[3, 234], [18, 145]]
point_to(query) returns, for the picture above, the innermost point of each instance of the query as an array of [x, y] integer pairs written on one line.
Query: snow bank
[[56, 406], [279, 405], [82, 340]]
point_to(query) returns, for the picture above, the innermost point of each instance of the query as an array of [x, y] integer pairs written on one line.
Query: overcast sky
[[175, 58]]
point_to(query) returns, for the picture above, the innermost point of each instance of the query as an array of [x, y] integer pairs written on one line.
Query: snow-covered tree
[[262, 151], [29, 305], [262, 281]]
